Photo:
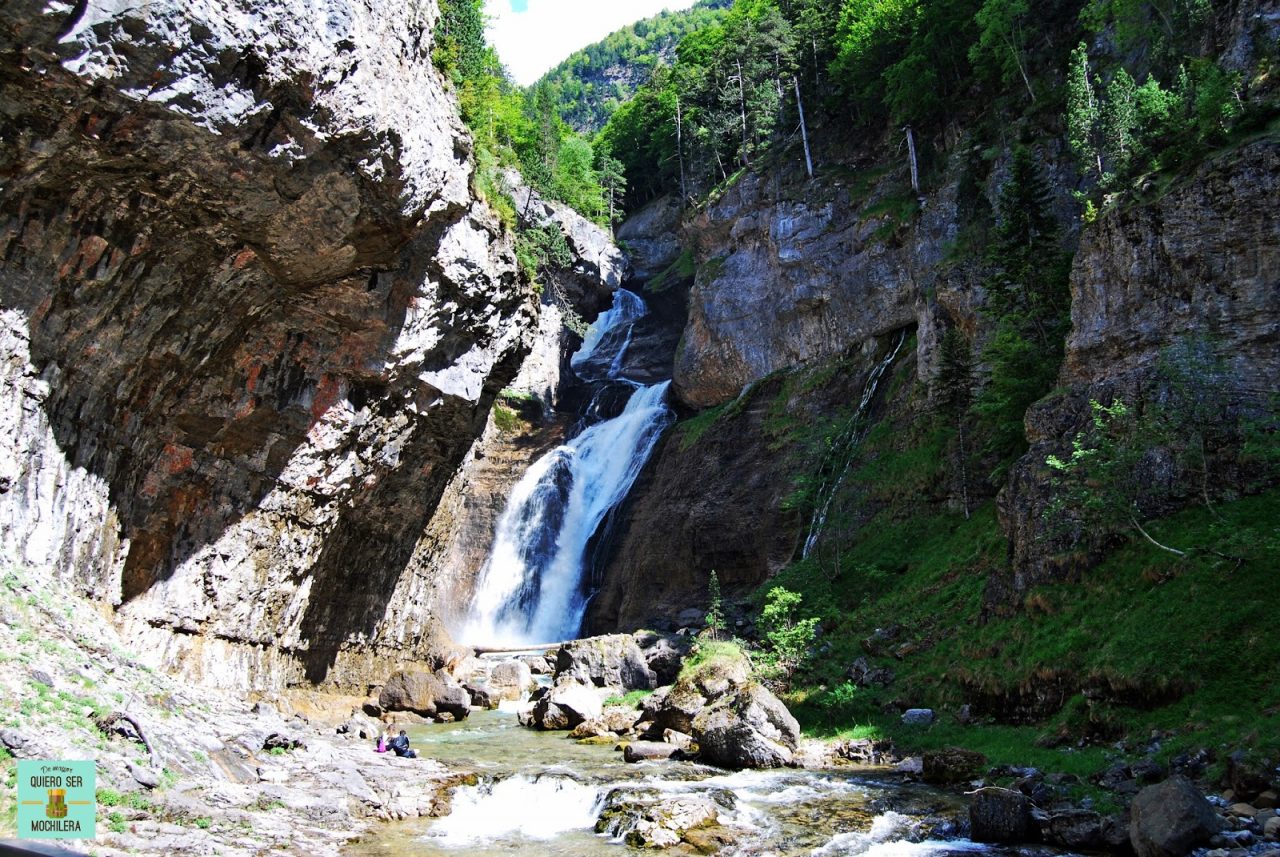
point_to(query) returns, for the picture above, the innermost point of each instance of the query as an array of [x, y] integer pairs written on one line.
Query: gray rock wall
[[258, 320]]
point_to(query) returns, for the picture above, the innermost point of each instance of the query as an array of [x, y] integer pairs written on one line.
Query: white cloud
[[533, 41]]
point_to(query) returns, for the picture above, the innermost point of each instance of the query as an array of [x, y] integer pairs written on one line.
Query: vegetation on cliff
[[513, 127], [1142, 89]]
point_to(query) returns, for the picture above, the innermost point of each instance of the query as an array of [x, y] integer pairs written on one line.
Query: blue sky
[[531, 36]]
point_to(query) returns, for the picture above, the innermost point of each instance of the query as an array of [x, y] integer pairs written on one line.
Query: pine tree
[[715, 610], [1028, 300]]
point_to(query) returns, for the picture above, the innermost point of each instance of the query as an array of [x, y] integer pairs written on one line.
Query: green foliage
[[1129, 464], [541, 247], [711, 655], [715, 609], [786, 637], [506, 419], [116, 822], [1123, 129], [108, 797]]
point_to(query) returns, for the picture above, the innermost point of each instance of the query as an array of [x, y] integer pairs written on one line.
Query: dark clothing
[[400, 746]]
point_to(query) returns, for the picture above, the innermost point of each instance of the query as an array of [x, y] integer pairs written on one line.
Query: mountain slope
[[592, 82]]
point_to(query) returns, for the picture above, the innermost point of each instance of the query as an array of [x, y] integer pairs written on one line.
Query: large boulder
[[566, 705], [1002, 815], [736, 722], [426, 694], [952, 765], [748, 728], [510, 680], [613, 661], [1170, 818]]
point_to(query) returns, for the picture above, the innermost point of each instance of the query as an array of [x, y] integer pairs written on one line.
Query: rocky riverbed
[[184, 769], [222, 775]]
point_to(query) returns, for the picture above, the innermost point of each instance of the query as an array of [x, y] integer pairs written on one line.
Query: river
[[540, 793]]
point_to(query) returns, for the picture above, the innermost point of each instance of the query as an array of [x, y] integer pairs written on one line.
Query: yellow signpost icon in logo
[[57, 805]]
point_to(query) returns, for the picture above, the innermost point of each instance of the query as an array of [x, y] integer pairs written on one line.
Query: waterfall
[[530, 589], [842, 448]]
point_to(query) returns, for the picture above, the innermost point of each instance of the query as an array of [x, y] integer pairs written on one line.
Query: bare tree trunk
[[1017, 60], [964, 471], [742, 107], [911, 153], [684, 191], [804, 132], [1133, 520]]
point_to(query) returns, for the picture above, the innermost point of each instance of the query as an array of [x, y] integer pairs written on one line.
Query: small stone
[[910, 765], [677, 739], [1272, 828], [640, 751], [143, 776], [13, 739], [918, 716], [42, 677], [1266, 800], [1242, 810]]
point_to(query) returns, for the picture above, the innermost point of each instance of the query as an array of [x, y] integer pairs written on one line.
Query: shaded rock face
[[651, 237], [258, 322], [1199, 268], [717, 501]]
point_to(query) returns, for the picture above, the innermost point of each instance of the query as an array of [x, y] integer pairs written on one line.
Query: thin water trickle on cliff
[[836, 467], [531, 588]]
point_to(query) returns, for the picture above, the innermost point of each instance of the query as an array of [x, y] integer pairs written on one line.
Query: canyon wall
[[254, 320], [809, 278]]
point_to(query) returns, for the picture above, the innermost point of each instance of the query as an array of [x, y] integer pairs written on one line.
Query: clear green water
[[540, 793]]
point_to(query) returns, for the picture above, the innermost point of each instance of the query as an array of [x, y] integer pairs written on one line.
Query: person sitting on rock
[[400, 746]]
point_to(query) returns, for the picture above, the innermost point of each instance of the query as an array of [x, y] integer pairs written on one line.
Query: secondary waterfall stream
[[531, 588]]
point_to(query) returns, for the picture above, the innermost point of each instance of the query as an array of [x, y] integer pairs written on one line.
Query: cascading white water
[[627, 309], [530, 588], [849, 438], [540, 807]]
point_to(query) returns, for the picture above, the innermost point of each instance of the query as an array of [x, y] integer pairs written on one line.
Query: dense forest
[[594, 81]]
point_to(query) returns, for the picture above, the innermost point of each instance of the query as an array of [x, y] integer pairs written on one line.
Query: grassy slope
[[1143, 623], [1182, 646]]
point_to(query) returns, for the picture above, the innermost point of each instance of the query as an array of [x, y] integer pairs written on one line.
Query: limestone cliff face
[[254, 320], [795, 276], [1198, 267]]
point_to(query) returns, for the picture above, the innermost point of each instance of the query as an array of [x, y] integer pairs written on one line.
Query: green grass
[[683, 268], [710, 654], [692, 429], [631, 699], [1160, 643], [505, 418]]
